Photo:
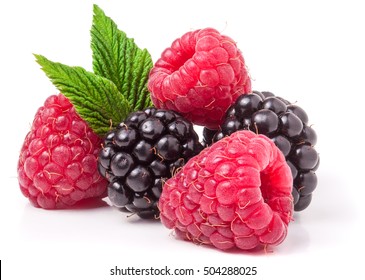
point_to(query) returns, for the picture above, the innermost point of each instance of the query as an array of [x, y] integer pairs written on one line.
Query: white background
[[311, 52]]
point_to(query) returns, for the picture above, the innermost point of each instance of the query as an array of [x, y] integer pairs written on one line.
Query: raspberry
[[199, 76], [146, 149], [287, 125], [235, 193], [57, 166]]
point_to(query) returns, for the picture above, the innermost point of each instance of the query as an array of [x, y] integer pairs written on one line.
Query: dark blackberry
[[287, 125], [143, 151]]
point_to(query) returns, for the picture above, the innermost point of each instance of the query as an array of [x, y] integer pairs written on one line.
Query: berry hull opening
[[234, 194]]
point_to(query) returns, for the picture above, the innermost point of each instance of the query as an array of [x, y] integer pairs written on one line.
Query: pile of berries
[[238, 188]]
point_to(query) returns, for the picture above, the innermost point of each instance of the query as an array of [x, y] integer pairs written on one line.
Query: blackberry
[[143, 151], [287, 126], [208, 135]]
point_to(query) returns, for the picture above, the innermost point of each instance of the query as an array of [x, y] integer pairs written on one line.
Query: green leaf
[[117, 58], [96, 99]]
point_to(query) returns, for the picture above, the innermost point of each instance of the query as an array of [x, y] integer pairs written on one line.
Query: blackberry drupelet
[[208, 135], [284, 123], [143, 151]]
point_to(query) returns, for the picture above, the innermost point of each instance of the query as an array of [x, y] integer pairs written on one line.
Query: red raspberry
[[58, 161], [200, 76], [236, 193]]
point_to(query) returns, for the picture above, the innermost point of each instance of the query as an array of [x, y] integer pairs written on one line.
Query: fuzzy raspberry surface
[[57, 165], [234, 194], [199, 76]]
